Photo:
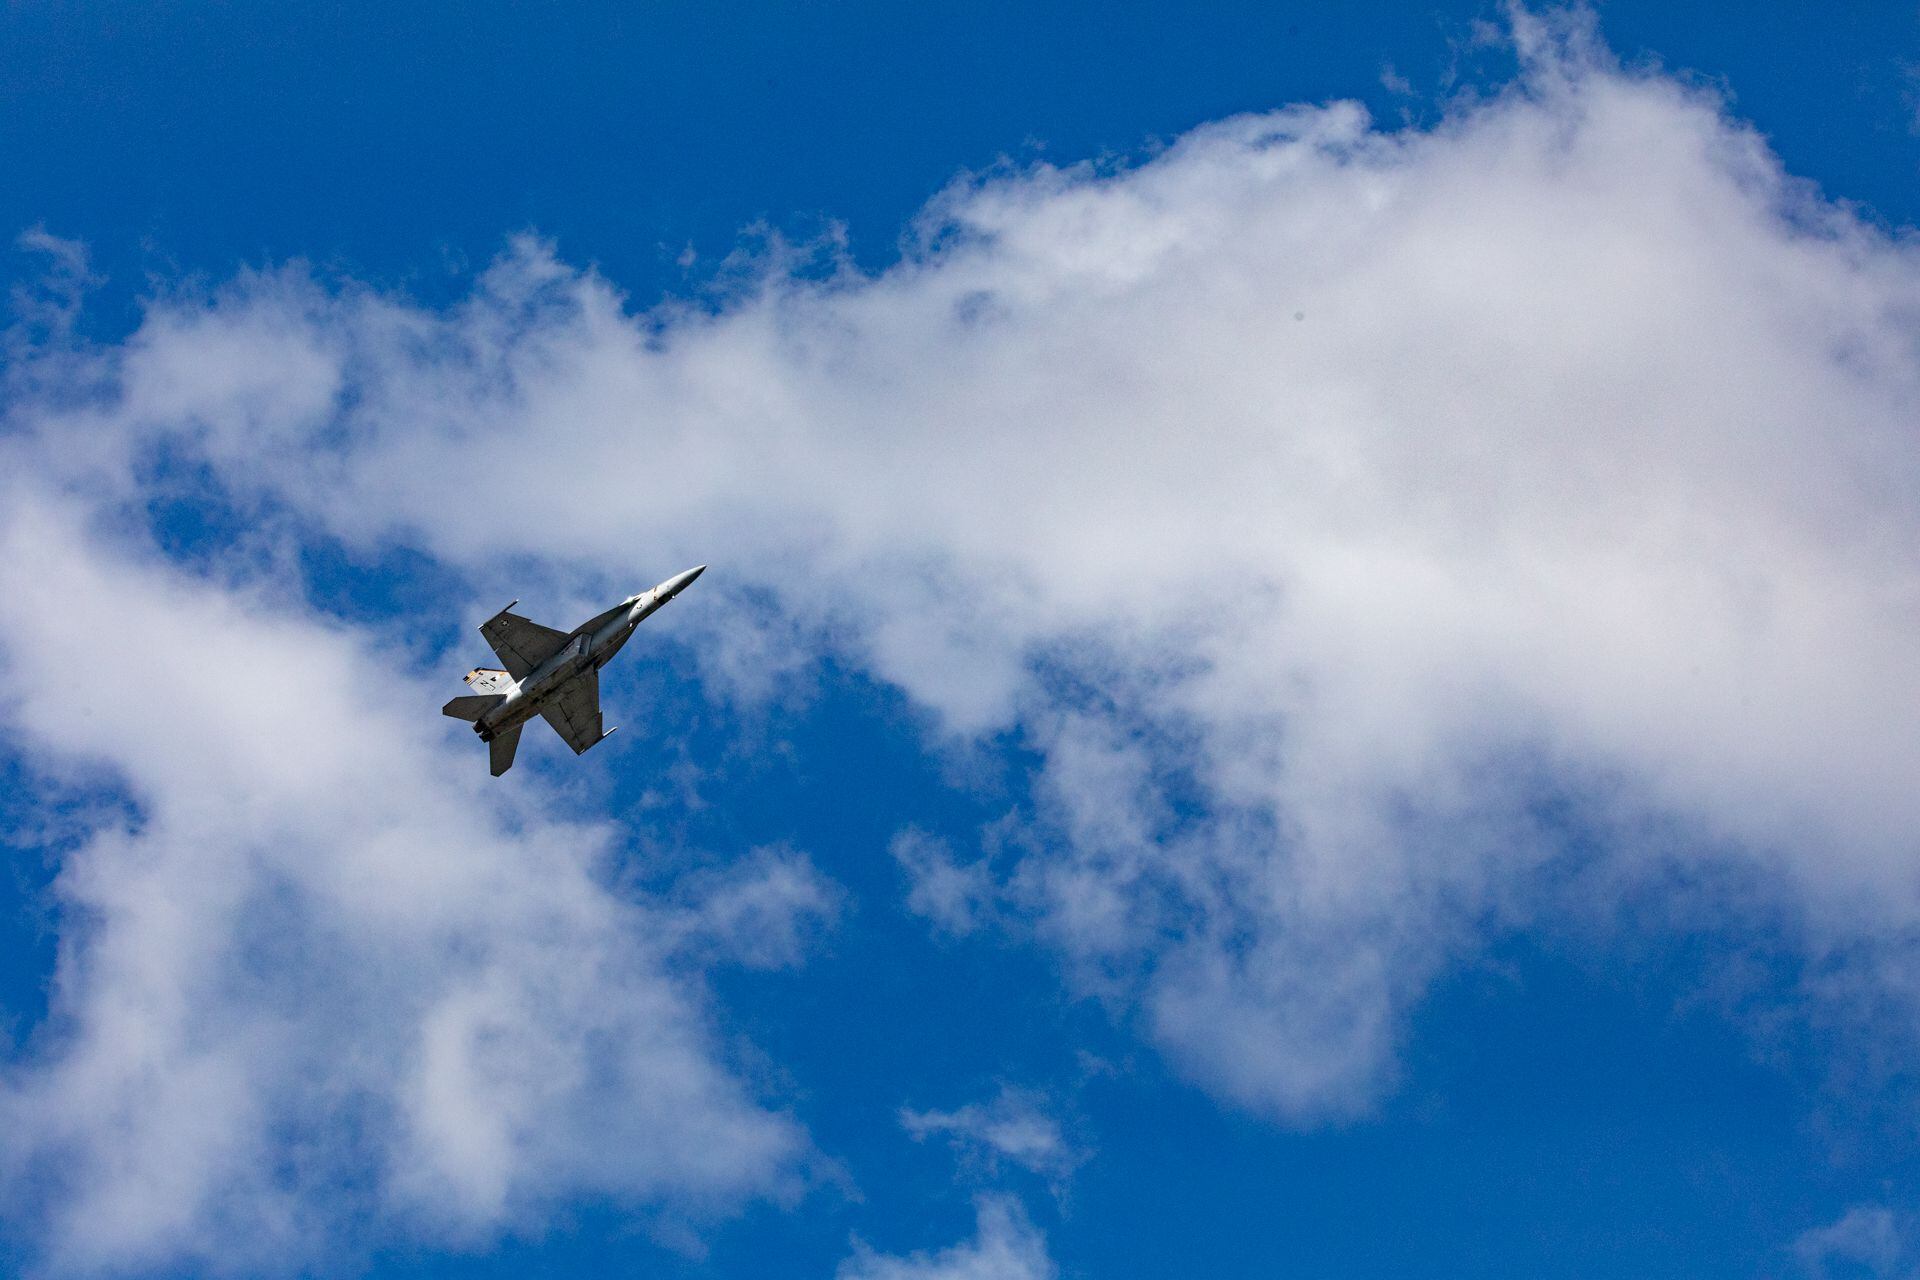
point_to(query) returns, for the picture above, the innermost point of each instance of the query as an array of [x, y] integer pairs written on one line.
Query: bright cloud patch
[[1867, 1240], [1013, 1128], [326, 974], [1005, 1247], [1328, 508]]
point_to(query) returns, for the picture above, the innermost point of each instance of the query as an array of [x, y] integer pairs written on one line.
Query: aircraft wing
[[574, 710], [521, 643]]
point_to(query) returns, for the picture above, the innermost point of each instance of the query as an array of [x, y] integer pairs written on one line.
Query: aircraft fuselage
[[550, 674]]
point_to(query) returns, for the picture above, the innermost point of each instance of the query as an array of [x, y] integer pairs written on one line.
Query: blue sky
[[1282, 691]]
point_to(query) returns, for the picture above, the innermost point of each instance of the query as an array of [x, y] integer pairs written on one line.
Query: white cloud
[[1867, 1239], [1006, 1246], [954, 895], [1015, 1128], [763, 910], [1314, 501], [53, 306], [328, 985]]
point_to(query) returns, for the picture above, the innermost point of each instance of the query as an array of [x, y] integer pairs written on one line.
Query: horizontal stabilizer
[[473, 705]]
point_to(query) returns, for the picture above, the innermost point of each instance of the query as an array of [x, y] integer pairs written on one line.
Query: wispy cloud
[[764, 909], [957, 897], [1865, 1240], [1015, 1128], [325, 987], [1005, 1246], [1324, 512]]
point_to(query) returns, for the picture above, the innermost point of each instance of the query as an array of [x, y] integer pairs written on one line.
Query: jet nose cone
[[680, 581]]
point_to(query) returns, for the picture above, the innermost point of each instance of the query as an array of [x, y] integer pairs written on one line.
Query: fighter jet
[[555, 674]]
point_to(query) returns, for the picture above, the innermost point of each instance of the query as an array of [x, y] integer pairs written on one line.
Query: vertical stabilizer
[[500, 750], [489, 680]]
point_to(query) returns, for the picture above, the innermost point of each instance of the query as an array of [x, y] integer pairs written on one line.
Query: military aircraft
[[555, 674]]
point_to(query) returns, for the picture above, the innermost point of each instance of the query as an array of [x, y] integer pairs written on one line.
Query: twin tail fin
[[473, 706], [490, 687], [489, 680]]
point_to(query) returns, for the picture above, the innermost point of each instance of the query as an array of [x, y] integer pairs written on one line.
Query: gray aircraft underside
[[551, 674]]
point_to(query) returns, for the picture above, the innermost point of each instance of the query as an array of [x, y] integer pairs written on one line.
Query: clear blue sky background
[[1564, 1110]]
